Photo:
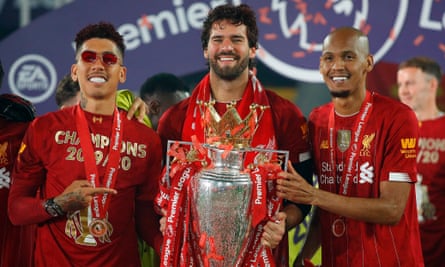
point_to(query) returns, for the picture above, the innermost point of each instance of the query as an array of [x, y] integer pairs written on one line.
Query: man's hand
[[78, 195], [163, 221], [293, 187], [138, 109], [274, 231]]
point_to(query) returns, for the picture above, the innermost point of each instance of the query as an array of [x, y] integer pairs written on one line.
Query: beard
[[340, 94], [229, 73]]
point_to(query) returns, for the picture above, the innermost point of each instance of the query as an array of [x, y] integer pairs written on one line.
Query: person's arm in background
[[135, 106]]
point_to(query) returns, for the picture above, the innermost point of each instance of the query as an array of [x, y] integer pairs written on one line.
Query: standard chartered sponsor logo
[[366, 174]]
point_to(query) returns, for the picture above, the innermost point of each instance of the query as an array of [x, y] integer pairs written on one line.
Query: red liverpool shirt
[[387, 153]]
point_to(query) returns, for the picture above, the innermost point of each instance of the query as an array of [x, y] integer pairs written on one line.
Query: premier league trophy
[[221, 191], [221, 199]]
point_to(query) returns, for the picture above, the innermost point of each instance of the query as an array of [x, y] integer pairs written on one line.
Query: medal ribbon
[[351, 154], [257, 253], [177, 216], [357, 138], [100, 202]]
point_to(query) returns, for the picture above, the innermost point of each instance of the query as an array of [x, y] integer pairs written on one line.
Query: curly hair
[[103, 30], [238, 15]]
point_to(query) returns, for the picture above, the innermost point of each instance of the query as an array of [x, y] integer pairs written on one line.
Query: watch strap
[[52, 208]]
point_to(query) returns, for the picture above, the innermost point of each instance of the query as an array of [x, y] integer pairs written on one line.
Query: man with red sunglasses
[[96, 171]]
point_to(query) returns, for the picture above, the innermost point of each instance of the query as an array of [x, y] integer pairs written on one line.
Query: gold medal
[[338, 227], [98, 228]]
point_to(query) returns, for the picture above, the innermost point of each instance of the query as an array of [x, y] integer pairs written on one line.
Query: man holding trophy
[[239, 134]]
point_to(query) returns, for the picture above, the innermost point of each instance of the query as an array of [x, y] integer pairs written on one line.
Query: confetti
[[270, 36], [263, 12], [299, 54], [145, 22], [319, 19], [419, 39]]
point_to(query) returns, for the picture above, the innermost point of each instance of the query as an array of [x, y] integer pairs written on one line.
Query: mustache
[[227, 54]]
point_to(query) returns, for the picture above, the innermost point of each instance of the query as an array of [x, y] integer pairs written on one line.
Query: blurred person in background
[[16, 242], [418, 80], [160, 92], [67, 92]]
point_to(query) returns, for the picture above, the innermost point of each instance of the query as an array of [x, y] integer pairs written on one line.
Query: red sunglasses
[[91, 57]]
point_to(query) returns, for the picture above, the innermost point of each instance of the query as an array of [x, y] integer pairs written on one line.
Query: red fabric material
[[254, 93], [287, 120], [383, 159], [431, 166], [52, 160], [16, 242]]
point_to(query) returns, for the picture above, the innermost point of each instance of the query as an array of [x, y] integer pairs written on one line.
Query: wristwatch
[[52, 208]]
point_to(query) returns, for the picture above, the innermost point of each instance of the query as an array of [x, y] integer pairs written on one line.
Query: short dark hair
[[66, 89], [162, 82], [427, 65], [238, 15], [104, 30]]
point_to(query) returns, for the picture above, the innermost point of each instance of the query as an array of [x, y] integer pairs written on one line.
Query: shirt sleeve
[[24, 207], [291, 130], [400, 146], [147, 220]]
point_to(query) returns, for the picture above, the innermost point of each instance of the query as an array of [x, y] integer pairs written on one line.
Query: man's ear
[[370, 62], [252, 53], [154, 107], [74, 72], [123, 74]]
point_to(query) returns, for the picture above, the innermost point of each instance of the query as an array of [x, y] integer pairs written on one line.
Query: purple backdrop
[[165, 36]]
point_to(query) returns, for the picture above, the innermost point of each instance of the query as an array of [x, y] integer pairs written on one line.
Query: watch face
[[50, 208], [51, 211]]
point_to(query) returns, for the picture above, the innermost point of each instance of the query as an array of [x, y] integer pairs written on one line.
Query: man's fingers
[[290, 168], [102, 190], [280, 216], [131, 111]]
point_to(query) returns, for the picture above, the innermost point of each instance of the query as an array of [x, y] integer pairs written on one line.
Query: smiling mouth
[[339, 79], [97, 79], [226, 59]]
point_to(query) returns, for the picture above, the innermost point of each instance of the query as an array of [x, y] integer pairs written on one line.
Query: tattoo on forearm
[[72, 202]]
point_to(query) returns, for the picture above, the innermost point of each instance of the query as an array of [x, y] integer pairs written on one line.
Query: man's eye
[[327, 58]]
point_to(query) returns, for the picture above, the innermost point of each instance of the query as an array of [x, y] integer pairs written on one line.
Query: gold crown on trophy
[[230, 129]]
